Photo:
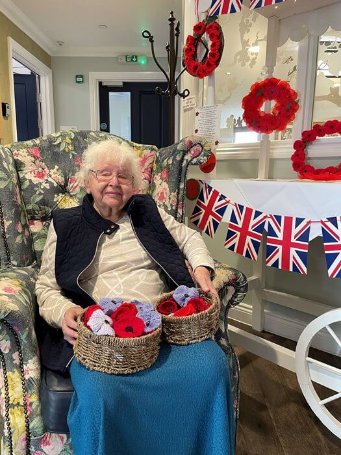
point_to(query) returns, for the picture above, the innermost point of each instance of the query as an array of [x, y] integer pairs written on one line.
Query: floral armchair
[[35, 177]]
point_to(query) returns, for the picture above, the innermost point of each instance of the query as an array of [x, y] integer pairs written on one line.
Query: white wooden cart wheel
[[308, 369]]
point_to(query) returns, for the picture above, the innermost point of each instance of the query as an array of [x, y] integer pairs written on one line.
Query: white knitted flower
[[100, 323]]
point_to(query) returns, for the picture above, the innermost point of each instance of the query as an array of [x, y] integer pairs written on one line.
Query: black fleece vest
[[78, 231]]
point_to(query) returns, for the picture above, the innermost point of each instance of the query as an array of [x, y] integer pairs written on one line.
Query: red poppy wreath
[[283, 112], [210, 61], [298, 158]]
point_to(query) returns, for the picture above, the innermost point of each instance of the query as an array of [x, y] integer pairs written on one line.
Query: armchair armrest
[[19, 356], [170, 172], [232, 287], [230, 283]]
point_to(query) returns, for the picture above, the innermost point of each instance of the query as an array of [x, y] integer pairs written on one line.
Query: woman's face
[[111, 186]]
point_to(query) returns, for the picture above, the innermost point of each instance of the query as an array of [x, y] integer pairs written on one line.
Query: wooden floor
[[274, 416]]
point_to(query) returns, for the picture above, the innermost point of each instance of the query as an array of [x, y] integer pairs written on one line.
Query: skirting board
[[281, 356], [283, 326]]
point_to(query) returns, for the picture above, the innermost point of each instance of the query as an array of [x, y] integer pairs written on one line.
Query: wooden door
[[26, 106]]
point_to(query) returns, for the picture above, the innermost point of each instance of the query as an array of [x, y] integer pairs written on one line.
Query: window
[[327, 99], [241, 65], [286, 70]]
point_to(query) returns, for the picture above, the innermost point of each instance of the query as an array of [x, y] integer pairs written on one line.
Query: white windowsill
[[329, 147]]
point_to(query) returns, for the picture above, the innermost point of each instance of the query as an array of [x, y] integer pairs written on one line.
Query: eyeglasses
[[104, 175]]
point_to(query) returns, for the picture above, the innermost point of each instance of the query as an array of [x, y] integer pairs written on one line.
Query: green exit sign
[[131, 58]]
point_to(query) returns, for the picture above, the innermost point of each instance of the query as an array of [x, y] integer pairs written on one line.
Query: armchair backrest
[[38, 176]]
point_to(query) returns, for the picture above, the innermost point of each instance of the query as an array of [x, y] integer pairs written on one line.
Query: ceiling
[[72, 27]]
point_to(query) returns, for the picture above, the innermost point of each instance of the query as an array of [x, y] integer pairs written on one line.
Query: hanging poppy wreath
[[283, 112], [210, 61], [298, 158]]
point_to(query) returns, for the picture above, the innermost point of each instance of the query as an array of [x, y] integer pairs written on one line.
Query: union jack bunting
[[209, 209], [287, 243], [331, 232], [260, 3], [245, 231], [225, 7]]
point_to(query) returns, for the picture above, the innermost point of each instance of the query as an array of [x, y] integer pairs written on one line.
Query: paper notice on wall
[[207, 123], [188, 103]]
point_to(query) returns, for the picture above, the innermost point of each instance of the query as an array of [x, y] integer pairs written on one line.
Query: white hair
[[120, 154]]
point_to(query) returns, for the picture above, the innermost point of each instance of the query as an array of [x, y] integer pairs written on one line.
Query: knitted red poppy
[[199, 304], [209, 165], [89, 312], [124, 311], [186, 310], [167, 307], [129, 327], [192, 189]]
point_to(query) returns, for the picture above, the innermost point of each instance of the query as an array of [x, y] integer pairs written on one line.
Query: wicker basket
[[190, 329], [115, 355]]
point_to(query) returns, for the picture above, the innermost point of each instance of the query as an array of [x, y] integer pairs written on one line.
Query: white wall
[[316, 285], [72, 101]]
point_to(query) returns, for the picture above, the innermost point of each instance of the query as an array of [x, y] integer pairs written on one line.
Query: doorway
[[27, 102], [134, 111], [46, 107]]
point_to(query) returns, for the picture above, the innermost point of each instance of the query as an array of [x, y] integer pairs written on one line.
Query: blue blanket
[[182, 405]]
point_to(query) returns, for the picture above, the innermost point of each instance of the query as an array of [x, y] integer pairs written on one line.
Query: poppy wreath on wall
[[298, 158], [283, 112], [213, 52]]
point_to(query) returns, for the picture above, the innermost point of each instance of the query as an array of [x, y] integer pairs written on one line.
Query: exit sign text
[[131, 58]]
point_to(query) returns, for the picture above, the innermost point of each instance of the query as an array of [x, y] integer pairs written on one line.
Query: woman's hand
[[69, 323], [202, 276]]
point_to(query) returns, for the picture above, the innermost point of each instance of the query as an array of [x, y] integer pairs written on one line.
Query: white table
[[305, 199], [297, 198]]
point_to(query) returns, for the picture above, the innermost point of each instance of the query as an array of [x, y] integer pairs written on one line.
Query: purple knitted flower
[[183, 293], [151, 318], [142, 305], [109, 305], [154, 322]]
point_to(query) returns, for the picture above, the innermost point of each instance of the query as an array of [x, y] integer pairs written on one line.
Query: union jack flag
[[331, 232], [209, 209], [287, 243], [260, 3], [245, 231], [225, 7]]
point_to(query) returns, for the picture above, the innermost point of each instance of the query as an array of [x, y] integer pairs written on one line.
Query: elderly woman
[[119, 244]]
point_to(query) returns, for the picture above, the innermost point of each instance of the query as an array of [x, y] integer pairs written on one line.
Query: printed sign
[[207, 123]]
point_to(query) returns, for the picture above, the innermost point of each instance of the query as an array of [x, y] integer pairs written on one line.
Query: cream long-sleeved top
[[120, 268]]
